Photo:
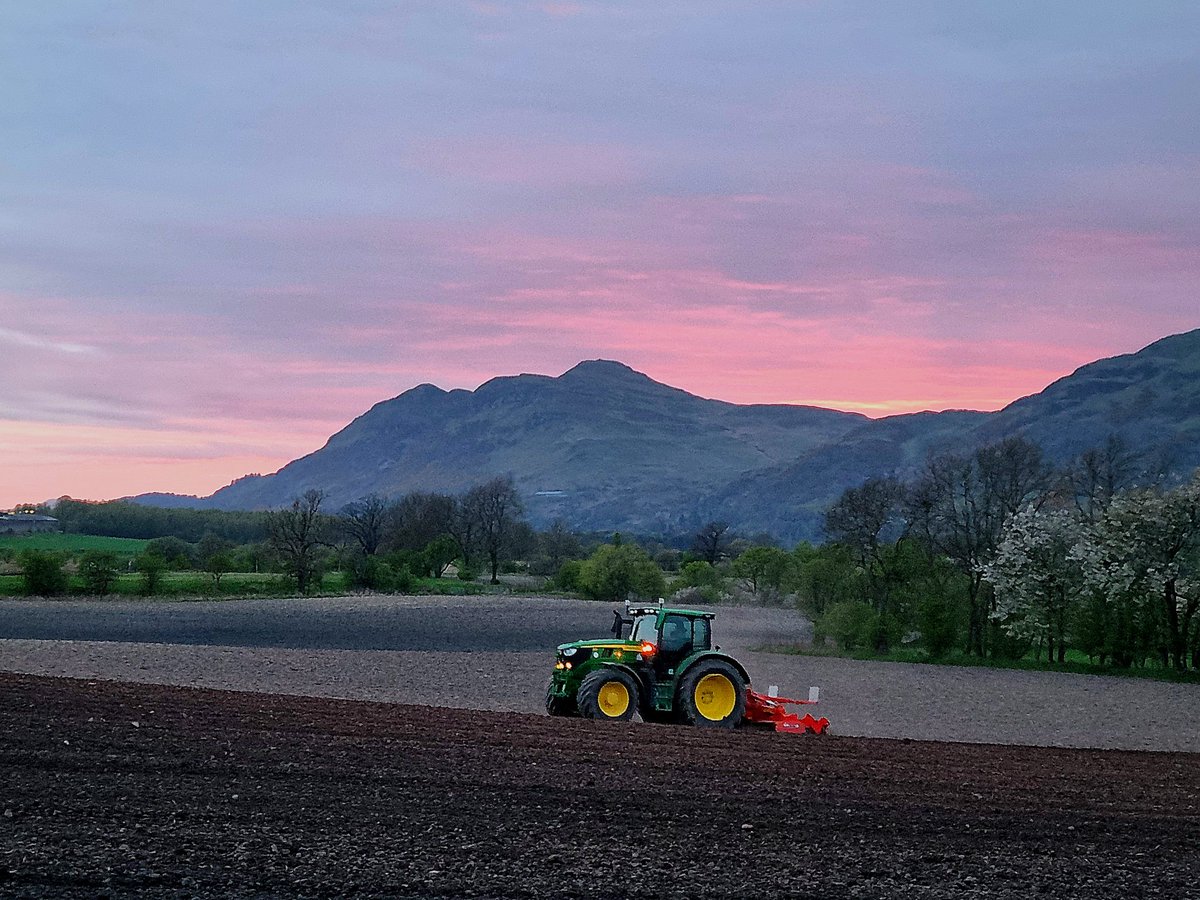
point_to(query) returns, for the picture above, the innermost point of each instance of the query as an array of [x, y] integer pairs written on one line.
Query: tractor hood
[[601, 644]]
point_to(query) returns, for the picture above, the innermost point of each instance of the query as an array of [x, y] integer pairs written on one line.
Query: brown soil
[[121, 788]]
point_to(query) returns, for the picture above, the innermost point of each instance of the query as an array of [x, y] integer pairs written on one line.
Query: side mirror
[[619, 623]]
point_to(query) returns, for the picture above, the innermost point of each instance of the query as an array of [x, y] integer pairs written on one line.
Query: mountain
[[601, 445], [1150, 399], [607, 448]]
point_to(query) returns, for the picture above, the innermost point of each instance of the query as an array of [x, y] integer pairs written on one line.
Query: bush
[[369, 573], [468, 572], [151, 567], [700, 574], [43, 571], [567, 576], [939, 622], [851, 624], [614, 572], [98, 568], [179, 554], [695, 596]]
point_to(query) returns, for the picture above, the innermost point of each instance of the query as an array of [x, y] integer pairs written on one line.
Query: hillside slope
[[607, 448]]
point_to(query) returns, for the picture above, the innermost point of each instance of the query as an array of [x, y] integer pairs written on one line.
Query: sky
[[228, 228]]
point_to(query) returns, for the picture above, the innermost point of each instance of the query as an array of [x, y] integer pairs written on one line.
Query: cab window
[[702, 636], [676, 633]]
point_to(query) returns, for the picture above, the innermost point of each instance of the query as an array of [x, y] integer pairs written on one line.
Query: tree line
[[1007, 554]]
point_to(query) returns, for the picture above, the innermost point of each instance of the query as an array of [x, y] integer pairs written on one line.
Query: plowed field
[[114, 789]]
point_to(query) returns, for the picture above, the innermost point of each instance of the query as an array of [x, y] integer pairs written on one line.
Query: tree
[[616, 573], [365, 521], [418, 518], [711, 542], [439, 553], [43, 573], [494, 508], [866, 520], [98, 568], [216, 557], [762, 568], [1037, 577], [1146, 550], [556, 545], [959, 508], [150, 565], [296, 534], [1099, 474]]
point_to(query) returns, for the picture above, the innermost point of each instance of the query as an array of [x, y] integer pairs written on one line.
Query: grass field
[[72, 543]]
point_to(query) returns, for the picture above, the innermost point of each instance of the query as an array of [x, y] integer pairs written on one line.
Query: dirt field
[[114, 789], [494, 653]]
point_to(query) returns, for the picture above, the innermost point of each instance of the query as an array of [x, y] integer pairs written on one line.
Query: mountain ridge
[[621, 451]]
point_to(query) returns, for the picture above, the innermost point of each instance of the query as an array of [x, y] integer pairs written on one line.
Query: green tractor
[[668, 669]]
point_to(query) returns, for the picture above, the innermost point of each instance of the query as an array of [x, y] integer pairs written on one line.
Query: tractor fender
[[628, 670], [711, 654]]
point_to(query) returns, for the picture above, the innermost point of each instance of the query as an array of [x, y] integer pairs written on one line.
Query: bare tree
[[712, 542], [960, 505], [418, 519], [365, 521], [491, 513], [1099, 474], [864, 520], [296, 534]]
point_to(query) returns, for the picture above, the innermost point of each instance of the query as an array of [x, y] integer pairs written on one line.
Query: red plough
[[763, 709]]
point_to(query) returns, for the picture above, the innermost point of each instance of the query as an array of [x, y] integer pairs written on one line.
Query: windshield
[[645, 629]]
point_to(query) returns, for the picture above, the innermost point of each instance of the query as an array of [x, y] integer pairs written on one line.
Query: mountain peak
[[602, 368]]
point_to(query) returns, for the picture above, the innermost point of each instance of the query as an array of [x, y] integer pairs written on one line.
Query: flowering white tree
[[1038, 577], [1146, 550]]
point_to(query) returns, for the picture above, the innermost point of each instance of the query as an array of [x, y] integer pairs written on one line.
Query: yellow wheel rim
[[715, 697], [613, 699]]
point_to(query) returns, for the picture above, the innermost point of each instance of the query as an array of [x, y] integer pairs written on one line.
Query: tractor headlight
[[570, 651]]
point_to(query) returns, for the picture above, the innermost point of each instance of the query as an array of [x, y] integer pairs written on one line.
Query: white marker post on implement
[[773, 691], [814, 695]]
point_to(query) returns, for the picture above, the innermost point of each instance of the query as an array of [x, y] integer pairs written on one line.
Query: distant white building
[[26, 523]]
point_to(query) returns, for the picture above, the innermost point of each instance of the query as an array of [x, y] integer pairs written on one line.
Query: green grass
[[72, 543], [247, 584], [1077, 663]]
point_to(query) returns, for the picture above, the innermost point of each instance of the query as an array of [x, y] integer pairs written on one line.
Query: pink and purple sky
[[228, 228]]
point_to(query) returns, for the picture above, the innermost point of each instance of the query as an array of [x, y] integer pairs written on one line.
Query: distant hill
[[607, 448]]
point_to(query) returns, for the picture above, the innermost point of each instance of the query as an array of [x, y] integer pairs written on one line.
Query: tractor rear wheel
[[559, 706], [608, 693], [712, 695]]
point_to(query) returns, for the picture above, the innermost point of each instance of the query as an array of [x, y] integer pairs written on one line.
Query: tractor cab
[[675, 633]]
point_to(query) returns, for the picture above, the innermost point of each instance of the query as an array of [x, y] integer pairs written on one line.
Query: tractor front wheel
[[712, 695], [609, 694]]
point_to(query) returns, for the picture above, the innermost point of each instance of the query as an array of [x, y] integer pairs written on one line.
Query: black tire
[[711, 694], [559, 706], [600, 697]]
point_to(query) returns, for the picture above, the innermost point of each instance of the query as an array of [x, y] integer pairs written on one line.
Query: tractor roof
[[647, 610]]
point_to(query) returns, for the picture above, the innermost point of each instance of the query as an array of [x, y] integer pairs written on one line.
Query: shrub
[[695, 596], [567, 576], [178, 554], [150, 566], [700, 574], [851, 624], [98, 568], [939, 622], [614, 572], [468, 572], [43, 571], [369, 573]]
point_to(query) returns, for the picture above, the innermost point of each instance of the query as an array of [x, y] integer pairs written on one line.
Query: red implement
[[764, 710]]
